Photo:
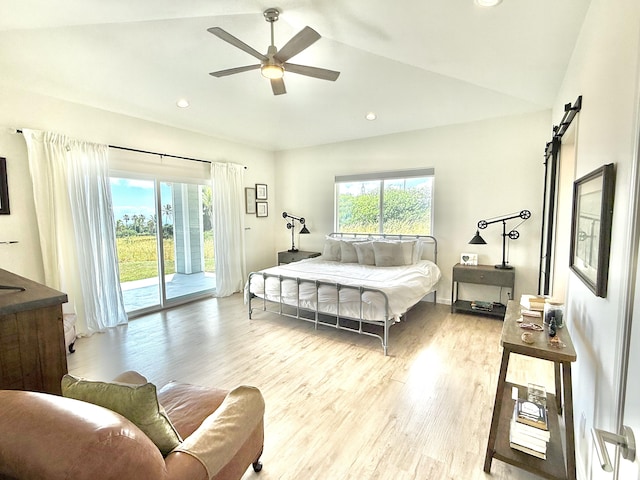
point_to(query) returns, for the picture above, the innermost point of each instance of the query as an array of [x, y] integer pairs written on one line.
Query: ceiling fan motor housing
[[271, 14]]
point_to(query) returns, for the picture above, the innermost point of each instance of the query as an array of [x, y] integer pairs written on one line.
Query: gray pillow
[[389, 254], [348, 252], [331, 250], [364, 251]]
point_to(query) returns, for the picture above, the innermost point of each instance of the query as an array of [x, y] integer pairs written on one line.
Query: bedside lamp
[[513, 234], [291, 224]]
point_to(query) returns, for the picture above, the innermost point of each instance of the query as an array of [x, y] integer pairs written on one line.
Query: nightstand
[[480, 275], [288, 257]]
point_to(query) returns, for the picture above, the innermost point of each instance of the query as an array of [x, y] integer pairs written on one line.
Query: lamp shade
[[477, 239], [304, 230]]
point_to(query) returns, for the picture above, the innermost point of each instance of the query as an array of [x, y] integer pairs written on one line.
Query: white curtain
[[77, 229], [228, 227]]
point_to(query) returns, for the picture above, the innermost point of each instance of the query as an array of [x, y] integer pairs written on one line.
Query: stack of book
[[529, 432], [532, 302], [482, 306]]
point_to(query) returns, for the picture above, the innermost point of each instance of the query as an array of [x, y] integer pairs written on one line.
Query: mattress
[[336, 288]]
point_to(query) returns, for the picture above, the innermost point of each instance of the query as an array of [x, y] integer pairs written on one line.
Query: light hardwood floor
[[337, 408]]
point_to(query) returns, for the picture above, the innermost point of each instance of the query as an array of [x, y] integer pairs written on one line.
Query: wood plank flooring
[[337, 408]]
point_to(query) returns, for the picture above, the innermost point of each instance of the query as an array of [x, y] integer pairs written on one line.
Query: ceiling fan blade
[[236, 42], [231, 71], [304, 38], [321, 73], [277, 85]]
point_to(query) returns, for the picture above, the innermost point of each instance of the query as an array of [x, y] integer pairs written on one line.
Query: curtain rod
[[128, 149]]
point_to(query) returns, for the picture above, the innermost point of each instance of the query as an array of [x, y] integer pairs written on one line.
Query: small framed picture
[[261, 191], [250, 200], [469, 258], [262, 209]]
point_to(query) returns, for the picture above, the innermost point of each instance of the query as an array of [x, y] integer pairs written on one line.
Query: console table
[[32, 350], [554, 467], [480, 275]]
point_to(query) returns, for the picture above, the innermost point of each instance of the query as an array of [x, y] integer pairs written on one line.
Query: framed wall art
[[591, 228], [261, 191], [262, 209], [4, 188], [250, 200]]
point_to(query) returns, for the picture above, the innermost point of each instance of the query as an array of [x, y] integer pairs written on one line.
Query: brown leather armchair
[[47, 436]]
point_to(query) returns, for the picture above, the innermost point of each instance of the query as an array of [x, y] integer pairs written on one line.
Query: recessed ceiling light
[[371, 116], [183, 103], [488, 3]]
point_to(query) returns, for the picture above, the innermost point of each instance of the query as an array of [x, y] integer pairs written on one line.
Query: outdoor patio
[[145, 293]]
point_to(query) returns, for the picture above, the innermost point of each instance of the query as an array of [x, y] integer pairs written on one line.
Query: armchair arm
[[52, 437], [223, 433]]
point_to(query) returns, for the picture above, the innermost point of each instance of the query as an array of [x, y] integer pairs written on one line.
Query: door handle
[[626, 442]]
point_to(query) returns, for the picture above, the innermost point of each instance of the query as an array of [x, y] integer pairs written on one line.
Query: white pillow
[[418, 251], [389, 254], [348, 252], [364, 251], [331, 249], [409, 248]]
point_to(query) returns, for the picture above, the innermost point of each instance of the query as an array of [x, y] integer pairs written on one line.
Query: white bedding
[[404, 287]]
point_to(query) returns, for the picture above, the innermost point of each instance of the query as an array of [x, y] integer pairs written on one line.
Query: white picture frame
[[469, 258], [262, 209], [261, 191]]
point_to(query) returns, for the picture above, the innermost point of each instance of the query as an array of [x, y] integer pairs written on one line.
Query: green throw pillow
[[138, 403]]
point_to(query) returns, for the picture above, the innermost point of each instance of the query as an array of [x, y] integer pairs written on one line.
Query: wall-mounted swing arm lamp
[[513, 234], [291, 225]]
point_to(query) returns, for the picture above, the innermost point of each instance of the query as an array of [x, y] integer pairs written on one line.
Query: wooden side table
[[554, 467], [288, 257], [480, 275], [33, 355]]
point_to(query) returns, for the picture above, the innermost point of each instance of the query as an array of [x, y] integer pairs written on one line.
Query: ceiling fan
[[274, 63]]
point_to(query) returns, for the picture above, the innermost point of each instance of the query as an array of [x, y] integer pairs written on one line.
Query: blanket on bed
[[404, 286]]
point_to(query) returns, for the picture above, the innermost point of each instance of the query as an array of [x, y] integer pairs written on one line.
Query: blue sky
[[135, 197]]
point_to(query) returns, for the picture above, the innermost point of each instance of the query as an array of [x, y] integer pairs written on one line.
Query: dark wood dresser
[[32, 350]]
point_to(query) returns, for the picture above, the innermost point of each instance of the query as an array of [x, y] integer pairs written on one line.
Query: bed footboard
[[345, 307]]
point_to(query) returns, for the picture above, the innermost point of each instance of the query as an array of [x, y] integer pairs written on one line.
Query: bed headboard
[[428, 243]]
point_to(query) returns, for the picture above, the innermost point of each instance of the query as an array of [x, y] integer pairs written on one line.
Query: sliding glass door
[[187, 239], [164, 240]]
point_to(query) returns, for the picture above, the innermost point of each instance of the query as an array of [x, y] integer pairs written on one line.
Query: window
[[389, 202]]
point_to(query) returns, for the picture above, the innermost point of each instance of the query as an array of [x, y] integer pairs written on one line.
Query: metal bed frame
[[338, 321]]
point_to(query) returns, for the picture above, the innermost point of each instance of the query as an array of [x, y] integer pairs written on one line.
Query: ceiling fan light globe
[[272, 71], [488, 3]]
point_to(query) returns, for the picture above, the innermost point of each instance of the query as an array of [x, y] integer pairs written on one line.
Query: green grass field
[[138, 257]]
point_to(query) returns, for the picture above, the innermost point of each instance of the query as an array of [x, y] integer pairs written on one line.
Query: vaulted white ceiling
[[417, 63]]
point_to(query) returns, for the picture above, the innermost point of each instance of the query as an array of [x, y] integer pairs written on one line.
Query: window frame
[[381, 177]]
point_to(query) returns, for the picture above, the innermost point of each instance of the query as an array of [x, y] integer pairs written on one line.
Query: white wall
[[604, 70], [24, 110], [482, 170]]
